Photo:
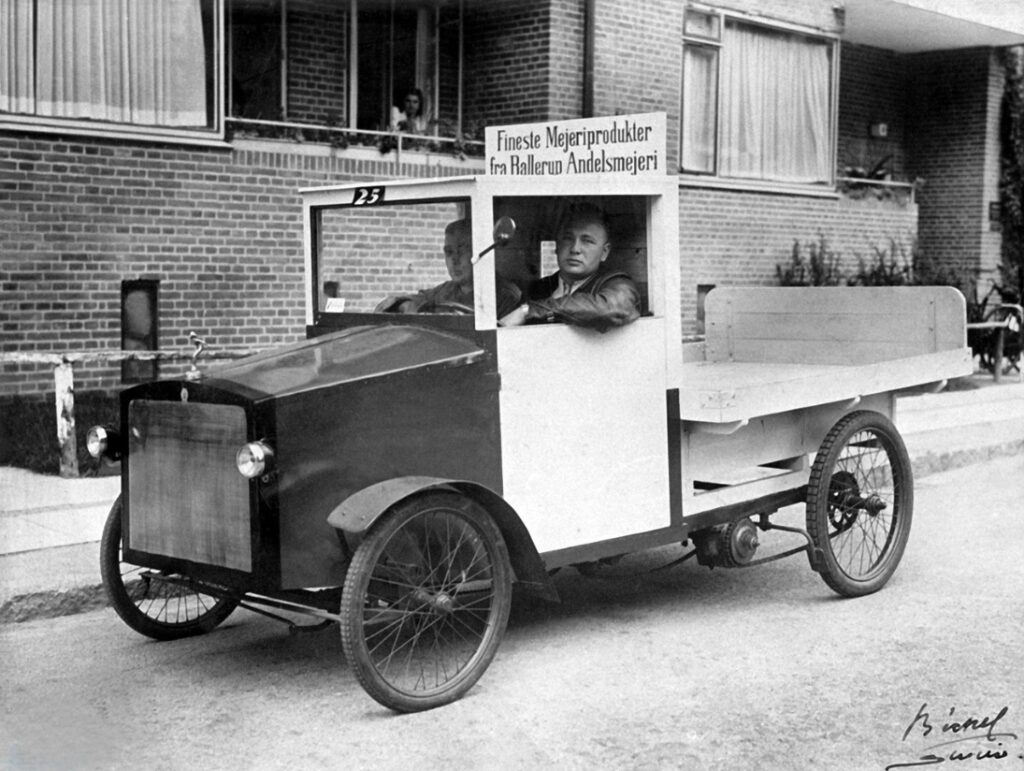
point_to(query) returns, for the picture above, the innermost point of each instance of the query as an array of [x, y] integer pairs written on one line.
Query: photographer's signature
[[960, 737]]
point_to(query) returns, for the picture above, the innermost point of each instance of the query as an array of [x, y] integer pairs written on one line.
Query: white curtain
[[16, 92], [126, 61], [700, 99], [775, 122]]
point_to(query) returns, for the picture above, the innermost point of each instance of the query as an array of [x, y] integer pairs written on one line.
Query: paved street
[[687, 668]]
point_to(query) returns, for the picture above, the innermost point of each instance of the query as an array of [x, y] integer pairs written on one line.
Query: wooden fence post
[[64, 382]]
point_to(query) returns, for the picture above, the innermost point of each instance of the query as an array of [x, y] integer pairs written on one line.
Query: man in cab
[[580, 293]]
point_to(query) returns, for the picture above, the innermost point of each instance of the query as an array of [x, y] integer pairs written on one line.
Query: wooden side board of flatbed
[[770, 350]]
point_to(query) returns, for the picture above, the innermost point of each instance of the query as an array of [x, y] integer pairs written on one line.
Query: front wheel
[[860, 501], [426, 601], [148, 604]]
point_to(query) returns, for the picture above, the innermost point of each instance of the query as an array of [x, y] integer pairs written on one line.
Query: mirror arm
[[480, 256]]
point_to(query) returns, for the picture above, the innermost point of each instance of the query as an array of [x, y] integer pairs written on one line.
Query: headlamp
[[253, 459]]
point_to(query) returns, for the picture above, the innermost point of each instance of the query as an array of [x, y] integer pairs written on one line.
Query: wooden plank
[[750, 394], [713, 499], [835, 353], [64, 386], [923, 318], [186, 497], [829, 327]]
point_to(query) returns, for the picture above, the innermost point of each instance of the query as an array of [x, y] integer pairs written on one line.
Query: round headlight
[[253, 458], [96, 441]]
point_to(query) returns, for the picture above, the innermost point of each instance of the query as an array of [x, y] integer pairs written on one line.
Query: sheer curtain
[[16, 92], [125, 61], [775, 123], [700, 101]]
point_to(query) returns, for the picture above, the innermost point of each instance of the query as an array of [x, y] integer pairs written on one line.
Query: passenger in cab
[[580, 292], [457, 293]]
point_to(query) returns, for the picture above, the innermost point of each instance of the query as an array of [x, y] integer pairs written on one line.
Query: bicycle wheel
[[860, 503], [149, 605], [426, 601]]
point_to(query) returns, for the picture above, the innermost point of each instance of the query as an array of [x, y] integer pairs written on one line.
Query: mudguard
[[357, 513]]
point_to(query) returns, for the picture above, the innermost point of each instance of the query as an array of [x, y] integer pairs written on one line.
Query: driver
[[458, 258]]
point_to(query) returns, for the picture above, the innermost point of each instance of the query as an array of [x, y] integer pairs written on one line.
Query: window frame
[[213, 135], [715, 179]]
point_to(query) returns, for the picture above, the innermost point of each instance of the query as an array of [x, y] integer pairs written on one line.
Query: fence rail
[[63, 364]]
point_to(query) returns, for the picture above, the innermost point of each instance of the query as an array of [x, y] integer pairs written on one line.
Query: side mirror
[[504, 229]]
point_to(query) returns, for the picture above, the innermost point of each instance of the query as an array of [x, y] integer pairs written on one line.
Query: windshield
[[396, 258]]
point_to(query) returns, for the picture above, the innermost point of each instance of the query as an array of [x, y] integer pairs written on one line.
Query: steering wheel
[[447, 307]]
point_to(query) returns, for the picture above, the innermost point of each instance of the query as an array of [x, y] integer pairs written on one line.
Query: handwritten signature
[[980, 733]]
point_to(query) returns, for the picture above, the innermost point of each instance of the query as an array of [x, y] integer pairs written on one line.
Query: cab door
[[584, 435]]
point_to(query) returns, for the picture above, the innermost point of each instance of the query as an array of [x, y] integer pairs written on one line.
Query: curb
[[53, 604], [36, 606]]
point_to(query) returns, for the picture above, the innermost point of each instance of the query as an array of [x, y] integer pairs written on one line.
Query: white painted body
[[583, 431], [610, 440]]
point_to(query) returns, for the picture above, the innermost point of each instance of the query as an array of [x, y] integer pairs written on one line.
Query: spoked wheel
[[426, 601], [149, 605], [860, 502]]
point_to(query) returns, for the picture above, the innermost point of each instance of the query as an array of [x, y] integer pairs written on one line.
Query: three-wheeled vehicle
[[399, 473]]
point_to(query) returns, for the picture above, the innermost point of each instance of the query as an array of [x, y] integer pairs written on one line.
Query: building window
[[255, 39], [405, 46], [758, 102], [140, 330], [147, 65]]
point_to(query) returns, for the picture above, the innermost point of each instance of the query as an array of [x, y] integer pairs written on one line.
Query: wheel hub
[[439, 602], [843, 498]]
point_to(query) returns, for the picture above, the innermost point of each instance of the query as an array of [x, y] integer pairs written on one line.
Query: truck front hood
[[340, 357]]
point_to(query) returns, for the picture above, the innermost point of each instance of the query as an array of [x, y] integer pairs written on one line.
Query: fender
[[357, 513]]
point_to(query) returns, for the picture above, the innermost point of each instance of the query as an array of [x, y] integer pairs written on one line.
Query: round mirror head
[[504, 229]]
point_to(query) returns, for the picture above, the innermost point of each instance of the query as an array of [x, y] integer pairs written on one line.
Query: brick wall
[[317, 61], [220, 229], [731, 238], [508, 61], [953, 119], [638, 62], [816, 14]]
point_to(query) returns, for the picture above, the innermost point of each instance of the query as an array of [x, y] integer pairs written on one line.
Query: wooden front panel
[[186, 498]]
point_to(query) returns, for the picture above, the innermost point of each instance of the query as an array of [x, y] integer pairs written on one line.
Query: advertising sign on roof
[[619, 146]]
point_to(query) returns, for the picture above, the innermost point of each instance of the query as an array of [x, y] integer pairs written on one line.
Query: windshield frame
[[459, 190]]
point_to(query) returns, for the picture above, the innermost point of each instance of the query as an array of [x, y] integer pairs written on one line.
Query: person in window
[[458, 258], [580, 292], [411, 118]]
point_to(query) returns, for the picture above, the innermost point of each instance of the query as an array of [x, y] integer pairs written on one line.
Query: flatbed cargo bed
[[772, 350]]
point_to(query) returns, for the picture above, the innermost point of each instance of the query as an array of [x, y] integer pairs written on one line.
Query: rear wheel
[[426, 601], [860, 503], [148, 604]]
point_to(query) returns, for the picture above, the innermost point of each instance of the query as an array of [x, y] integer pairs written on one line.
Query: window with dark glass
[[255, 31], [140, 330]]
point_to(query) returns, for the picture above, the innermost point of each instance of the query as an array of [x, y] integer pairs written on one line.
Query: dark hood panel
[[345, 356]]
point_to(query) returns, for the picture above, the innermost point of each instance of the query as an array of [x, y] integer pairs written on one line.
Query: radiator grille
[[186, 497]]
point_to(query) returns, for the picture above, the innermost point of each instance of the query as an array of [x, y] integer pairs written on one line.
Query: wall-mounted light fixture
[[879, 130]]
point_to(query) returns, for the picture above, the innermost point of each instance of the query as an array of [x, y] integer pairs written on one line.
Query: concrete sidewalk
[[50, 527]]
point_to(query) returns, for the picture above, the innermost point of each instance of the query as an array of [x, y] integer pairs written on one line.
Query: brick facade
[[221, 227], [221, 230], [735, 239], [872, 90], [318, 69], [953, 111]]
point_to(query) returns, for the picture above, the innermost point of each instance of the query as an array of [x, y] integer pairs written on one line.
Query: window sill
[[413, 157], [73, 128], [758, 186]]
